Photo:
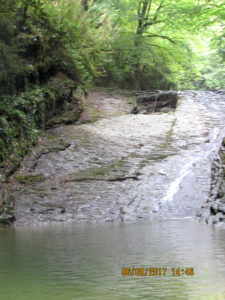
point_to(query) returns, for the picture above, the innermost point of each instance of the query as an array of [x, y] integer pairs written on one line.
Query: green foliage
[[212, 73], [32, 54], [156, 44], [135, 44], [17, 124], [142, 43], [23, 116]]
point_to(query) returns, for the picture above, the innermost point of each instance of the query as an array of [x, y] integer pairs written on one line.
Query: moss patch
[[26, 179]]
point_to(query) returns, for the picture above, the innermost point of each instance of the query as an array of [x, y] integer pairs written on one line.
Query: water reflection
[[84, 261]]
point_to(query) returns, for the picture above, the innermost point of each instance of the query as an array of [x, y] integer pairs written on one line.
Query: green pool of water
[[84, 261]]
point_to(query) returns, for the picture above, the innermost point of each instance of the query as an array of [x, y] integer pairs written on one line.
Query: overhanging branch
[[161, 37]]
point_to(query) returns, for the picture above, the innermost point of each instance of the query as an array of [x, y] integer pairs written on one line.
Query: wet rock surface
[[213, 211], [123, 166], [104, 103], [7, 209], [155, 102]]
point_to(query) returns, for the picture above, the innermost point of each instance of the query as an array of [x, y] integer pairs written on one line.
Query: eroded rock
[[158, 101], [216, 208]]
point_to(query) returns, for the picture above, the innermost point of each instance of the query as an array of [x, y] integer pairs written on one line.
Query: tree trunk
[[137, 74], [85, 5]]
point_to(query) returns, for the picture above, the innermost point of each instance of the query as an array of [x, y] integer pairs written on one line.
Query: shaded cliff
[[38, 88], [213, 211]]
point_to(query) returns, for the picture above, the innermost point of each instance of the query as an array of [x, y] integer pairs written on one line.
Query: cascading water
[[126, 166]]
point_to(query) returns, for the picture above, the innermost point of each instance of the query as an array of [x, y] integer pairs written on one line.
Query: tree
[[146, 16]]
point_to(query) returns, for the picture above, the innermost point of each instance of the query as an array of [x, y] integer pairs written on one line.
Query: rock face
[[213, 212], [221, 92], [59, 104], [157, 101], [7, 212], [124, 167]]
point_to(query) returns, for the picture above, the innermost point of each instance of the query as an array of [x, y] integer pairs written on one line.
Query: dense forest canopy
[[143, 44]]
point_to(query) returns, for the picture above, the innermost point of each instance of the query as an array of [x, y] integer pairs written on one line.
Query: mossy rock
[[26, 179], [223, 143], [6, 219], [7, 212], [221, 191], [68, 117]]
